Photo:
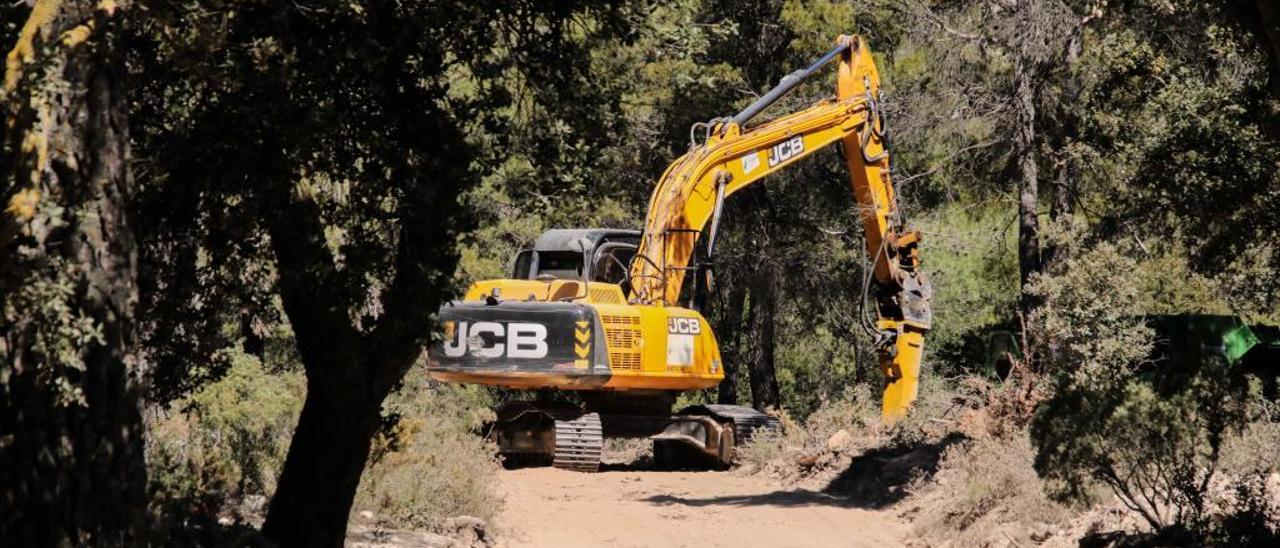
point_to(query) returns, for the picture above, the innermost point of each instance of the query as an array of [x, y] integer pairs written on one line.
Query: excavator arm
[[692, 192]]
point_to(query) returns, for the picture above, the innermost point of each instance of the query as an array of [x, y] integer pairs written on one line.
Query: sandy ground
[[626, 508]]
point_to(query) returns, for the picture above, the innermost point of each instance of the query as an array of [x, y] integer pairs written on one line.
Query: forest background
[[286, 191]]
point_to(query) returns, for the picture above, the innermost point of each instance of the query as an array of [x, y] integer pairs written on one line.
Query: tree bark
[[326, 458], [1269, 24], [1063, 207], [71, 453], [350, 371], [1024, 149]]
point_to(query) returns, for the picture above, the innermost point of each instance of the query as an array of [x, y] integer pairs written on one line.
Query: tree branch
[[308, 280], [431, 168]]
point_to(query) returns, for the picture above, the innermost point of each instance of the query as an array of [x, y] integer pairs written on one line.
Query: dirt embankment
[[632, 508]]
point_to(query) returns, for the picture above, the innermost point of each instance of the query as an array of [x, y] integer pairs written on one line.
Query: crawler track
[[746, 421], [579, 443]]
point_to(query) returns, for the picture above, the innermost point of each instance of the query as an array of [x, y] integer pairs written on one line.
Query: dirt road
[[555, 508]]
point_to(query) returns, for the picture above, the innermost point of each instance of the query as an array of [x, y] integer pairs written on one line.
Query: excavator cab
[[591, 255]]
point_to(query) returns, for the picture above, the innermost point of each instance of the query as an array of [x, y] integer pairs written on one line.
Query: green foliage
[[226, 441], [652, 84], [1088, 330], [1155, 442], [217, 450], [1179, 129], [59, 334], [816, 365], [973, 266]]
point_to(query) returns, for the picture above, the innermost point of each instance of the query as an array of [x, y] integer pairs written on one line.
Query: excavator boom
[[693, 190]]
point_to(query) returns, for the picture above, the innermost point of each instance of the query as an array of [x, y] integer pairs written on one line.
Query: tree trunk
[[764, 304], [1269, 21], [71, 456], [1062, 207], [341, 412], [322, 471], [349, 373], [757, 349], [1028, 180], [253, 343], [731, 354]]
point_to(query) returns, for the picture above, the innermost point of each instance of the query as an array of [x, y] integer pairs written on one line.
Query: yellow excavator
[[597, 310]]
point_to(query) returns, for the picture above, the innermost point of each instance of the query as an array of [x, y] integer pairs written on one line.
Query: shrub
[[1252, 518], [429, 464], [1155, 442], [1153, 435], [1253, 449]]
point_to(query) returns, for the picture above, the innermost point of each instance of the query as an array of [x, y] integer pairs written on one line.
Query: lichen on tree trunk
[[71, 461]]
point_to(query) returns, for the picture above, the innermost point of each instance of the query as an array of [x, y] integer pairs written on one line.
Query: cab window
[[560, 264], [523, 262], [612, 263]]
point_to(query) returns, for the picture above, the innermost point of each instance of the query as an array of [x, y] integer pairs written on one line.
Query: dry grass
[[217, 453], [800, 449], [960, 473], [628, 451], [823, 444], [986, 492]]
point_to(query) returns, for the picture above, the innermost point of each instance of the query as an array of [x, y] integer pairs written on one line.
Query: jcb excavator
[[596, 311]]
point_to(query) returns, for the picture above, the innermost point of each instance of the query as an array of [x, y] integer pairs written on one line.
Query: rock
[[469, 530], [225, 520], [366, 515], [839, 440]]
